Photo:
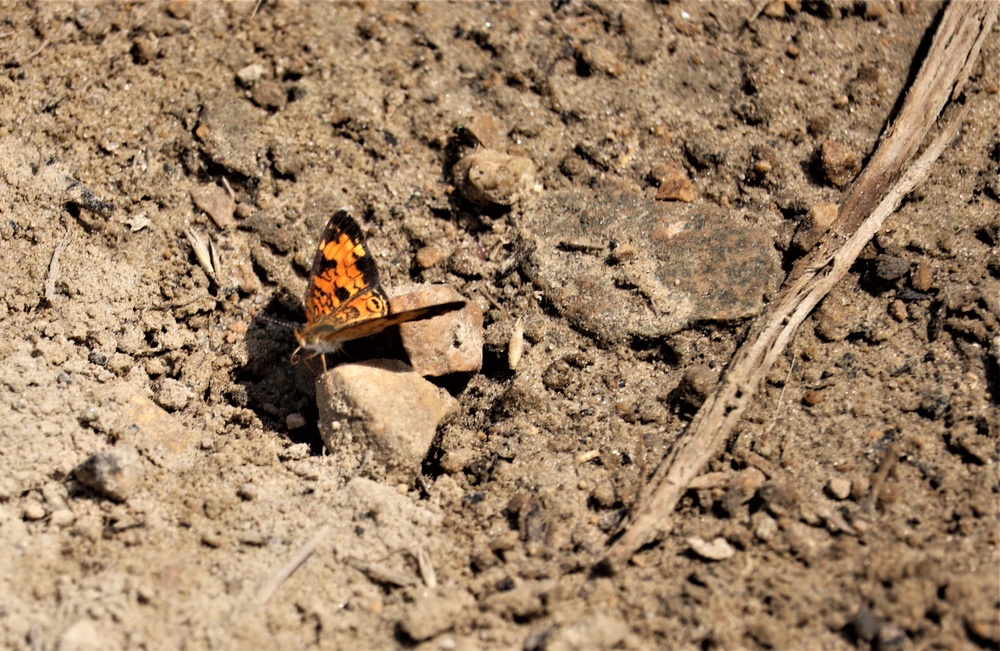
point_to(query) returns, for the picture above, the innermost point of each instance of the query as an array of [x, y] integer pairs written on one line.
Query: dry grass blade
[[53, 277], [868, 203], [300, 557], [205, 252]]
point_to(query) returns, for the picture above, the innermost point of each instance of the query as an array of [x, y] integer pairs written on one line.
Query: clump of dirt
[[165, 483]]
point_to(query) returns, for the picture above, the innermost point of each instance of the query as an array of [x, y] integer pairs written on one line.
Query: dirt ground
[[123, 125]]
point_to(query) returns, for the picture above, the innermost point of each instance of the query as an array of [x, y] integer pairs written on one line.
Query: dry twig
[[874, 195], [881, 475], [289, 568]]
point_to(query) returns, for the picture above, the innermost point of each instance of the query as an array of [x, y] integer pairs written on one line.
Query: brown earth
[[116, 119]]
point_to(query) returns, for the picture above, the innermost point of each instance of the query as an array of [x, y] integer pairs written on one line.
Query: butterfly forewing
[[344, 276]]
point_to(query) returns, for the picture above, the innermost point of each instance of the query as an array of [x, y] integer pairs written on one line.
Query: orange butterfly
[[344, 300]]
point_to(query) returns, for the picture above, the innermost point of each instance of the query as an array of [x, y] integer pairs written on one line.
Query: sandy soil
[[120, 128]]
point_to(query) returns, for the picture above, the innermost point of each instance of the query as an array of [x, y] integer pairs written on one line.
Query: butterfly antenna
[[273, 320], [281, 323]]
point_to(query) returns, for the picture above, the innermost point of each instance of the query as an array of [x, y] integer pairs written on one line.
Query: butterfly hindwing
[[372, 326]]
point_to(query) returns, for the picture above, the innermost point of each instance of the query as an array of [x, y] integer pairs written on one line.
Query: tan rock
[[382, 410], [448, 343], [217, 203], [488, 176], [923, 277], [816, 223], [114, 473], [674, 183], [838, 163]]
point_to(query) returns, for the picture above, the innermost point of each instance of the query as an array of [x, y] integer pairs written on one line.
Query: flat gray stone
[[622, 267], [230, 134]]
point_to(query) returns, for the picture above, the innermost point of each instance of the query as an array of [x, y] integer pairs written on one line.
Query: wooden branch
[[873, 196]]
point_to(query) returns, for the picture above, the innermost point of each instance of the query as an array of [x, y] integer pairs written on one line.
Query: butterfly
[[344, 298]]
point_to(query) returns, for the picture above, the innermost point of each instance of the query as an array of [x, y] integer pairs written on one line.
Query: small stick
[[878, 480], [380, 574], [289, 568]]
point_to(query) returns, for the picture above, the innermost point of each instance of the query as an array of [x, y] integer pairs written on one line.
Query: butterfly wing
[[343, 282], [343, 299], [372, 326]]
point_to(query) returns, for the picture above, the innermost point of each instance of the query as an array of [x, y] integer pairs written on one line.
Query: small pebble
[[62, 518], [897, 310], [718, 549], [114, 473], [861, 526], [765, 527], [82, 635], [144, 49], [505, 542], [599, 59], [454, 461], [431, 256], [604, 495], [250, 75], [287, 162], [816, 223], [838, 163], [922, 278], [831, 320], [775, 9], [487, 130], [171, 394], [673, 182], [866, 625], [860, 487], [488, 176], [697, 382], [839, 488], [179, 9], [812, 397], [874, 10], [217, 203], [890, 267], [211, 539], [891, 637], [270, 95], [295, 421], [33, 510]]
